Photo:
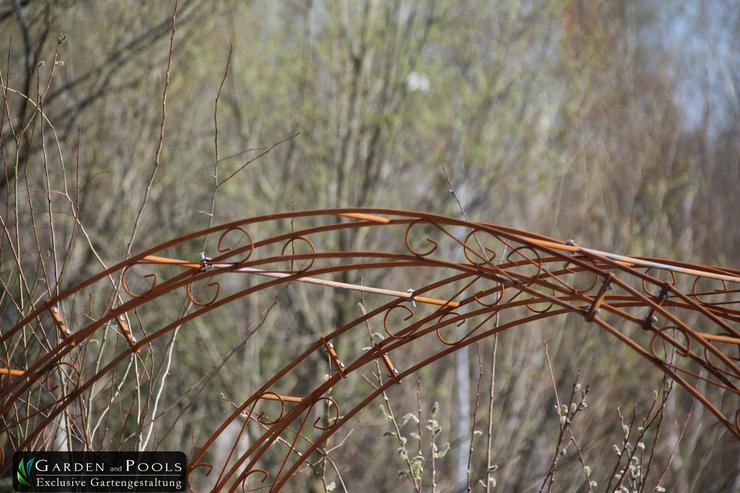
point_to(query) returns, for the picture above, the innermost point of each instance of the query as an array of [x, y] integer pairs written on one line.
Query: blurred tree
[[614, 123]]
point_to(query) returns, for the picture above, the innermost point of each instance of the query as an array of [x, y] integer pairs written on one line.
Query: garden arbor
[[437, 282]]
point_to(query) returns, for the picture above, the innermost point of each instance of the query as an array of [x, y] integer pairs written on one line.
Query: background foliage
[[613, 123]]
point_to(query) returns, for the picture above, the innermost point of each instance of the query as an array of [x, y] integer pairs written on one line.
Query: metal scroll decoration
[[679, 317]]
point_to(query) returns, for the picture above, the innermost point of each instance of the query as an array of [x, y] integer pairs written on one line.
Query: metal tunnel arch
[[682, 318]]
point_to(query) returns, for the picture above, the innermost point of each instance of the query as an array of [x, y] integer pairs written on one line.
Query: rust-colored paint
[[533, 279]]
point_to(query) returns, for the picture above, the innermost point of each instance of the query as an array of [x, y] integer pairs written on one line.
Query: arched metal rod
[[40, 368], [346, 212], [264, 440], [186, 279], [86, 332], [549, 286], [280, 482], [267, 438]]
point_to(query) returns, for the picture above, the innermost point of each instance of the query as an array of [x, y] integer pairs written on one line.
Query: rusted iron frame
[[297, 413], [555, 275], [658, 308], [264, 473], [229, 227], [348, 415], [522, 303], [617, 266], [172, 325], [152, 260], [35, 372], [318, 392], [273, 217], [185, 279], [699, 336], [647, 355], [142, 342], [225, 228], [261, 445], [448, 223], [680, 325], [180, 321], [206, 232], [166, 288], [305, 354], [279, 482], [515, 323]]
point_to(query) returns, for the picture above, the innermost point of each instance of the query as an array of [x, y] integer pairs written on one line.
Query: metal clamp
[[329, 348], [57, 317], [594, 309], [123, 325], [392, 370], [651, 318]]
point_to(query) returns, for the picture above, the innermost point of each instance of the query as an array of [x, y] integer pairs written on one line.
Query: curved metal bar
[[530, 276]]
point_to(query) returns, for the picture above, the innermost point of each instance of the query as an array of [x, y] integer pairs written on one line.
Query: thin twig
[[162, 124], [264, 153]]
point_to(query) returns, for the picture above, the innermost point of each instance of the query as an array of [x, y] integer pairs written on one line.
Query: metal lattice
[[464, 281]]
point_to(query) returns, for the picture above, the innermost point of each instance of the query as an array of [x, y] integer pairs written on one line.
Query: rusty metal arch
[[680, 317]]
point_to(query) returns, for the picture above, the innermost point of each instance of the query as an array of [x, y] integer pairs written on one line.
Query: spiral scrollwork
[[225, 250], [409, 316], [261, 416], [717, 288], [525, 262], [582, 282], [262, 472], [409, 245], [478, 258], [193, 468], [655, 290], [668, 334], [442, 322], [497, 291], [331, 404], [306, 266], [543, 305], [214, 284], [61, 365], [127, 288]]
